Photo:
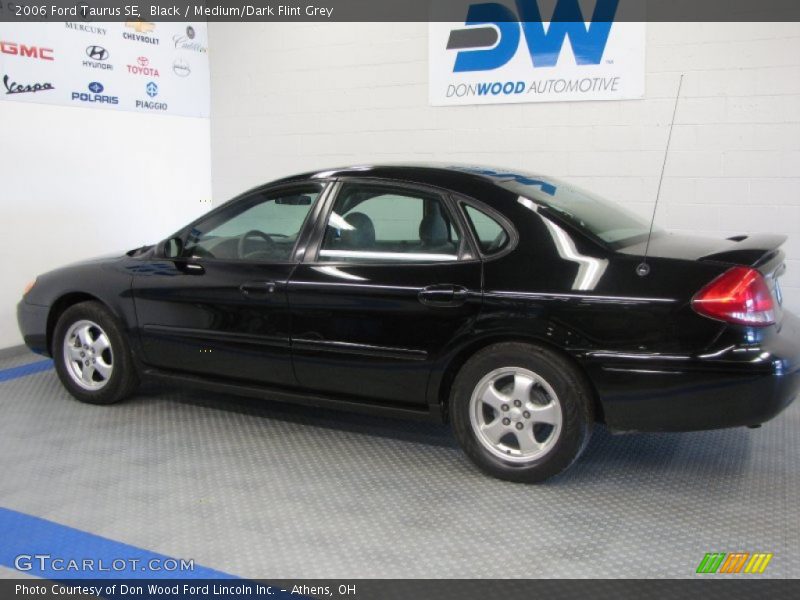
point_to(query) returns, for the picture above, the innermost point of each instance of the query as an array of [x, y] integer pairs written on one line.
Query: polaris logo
[[96, 88], [495, 33]]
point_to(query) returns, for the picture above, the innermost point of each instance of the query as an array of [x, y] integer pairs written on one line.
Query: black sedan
[[518, 307]]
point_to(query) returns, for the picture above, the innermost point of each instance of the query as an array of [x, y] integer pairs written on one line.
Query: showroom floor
[[251, 489]]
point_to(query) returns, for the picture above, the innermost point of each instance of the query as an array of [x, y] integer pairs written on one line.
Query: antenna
[[643, 269]]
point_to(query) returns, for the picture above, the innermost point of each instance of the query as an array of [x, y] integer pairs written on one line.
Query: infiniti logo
[[97, 53], [181, 68]]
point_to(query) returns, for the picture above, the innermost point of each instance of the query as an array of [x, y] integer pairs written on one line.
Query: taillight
[[740, 295]]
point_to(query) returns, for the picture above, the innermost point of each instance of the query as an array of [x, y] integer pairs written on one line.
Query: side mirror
[[173, 247]]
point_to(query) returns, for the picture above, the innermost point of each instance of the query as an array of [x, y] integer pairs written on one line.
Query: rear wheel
[[92, 357], [521, 412]]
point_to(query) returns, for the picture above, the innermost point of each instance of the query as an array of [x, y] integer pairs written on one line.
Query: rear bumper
[[32, 320], [731, 387]]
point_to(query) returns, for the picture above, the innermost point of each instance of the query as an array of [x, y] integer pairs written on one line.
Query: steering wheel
[[241, 246]]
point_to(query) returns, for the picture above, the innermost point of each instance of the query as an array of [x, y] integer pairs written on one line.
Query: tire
[[89, 333], [521, 412]]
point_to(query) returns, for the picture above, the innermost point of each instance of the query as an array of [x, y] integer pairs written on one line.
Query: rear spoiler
[[751, 250]]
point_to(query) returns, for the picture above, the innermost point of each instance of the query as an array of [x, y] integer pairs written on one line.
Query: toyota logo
[[96, 52], [143, 61]]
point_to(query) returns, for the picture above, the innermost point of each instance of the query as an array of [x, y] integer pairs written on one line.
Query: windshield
[[603, 218]]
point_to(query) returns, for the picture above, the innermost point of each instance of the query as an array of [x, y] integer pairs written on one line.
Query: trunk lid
[[759, 250]]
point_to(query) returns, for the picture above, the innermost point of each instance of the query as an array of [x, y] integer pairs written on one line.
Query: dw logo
[[494, 33]]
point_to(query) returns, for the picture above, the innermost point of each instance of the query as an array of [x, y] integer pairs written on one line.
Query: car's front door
[[219, 308], [389, 283]]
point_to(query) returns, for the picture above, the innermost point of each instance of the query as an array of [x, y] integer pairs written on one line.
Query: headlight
[[28, 287]]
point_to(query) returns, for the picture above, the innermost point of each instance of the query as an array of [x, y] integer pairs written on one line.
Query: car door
[[219, 307], [388, 283]]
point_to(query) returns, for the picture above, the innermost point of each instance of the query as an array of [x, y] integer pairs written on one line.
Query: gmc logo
[[15, 49]]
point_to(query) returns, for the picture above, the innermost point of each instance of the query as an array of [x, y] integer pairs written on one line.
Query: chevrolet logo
[[141, 26]]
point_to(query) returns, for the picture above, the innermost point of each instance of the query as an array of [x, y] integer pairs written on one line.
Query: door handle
[[257, 288], [443, 295], [190, 268]]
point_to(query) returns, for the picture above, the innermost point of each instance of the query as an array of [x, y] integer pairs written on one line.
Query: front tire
[[521, 412], [92, 356]]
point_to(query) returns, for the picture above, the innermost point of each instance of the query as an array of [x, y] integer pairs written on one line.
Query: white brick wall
[[293, 97]]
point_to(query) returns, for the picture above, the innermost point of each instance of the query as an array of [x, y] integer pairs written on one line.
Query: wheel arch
[[457, 360], [61, 305]]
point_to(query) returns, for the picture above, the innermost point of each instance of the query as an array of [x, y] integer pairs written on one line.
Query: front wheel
[[521, 412], [92, 357]]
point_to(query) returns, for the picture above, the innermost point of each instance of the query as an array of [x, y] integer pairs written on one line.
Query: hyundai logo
[[96, 87], [152, 89], [97, 53]]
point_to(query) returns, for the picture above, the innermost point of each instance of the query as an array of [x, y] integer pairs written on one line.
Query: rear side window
[[491, 236], [381, 223]]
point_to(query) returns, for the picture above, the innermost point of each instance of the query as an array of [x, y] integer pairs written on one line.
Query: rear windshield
[[603, 218]]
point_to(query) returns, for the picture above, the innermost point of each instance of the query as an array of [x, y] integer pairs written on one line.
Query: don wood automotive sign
[[536, 51]]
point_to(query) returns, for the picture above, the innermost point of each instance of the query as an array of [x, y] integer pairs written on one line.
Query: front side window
[[377, 223], [263, 227]]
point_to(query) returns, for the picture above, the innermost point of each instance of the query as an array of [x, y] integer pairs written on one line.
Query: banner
[[514, 51], [140, 66]]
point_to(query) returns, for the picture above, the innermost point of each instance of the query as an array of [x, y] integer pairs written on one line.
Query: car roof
[[463, 178]]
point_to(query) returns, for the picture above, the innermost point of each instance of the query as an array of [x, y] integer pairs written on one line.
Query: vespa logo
[[496, 29]]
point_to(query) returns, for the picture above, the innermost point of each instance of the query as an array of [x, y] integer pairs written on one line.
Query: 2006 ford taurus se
[[518, 307]]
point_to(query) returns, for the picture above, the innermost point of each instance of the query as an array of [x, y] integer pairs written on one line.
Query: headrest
[[363, 233]]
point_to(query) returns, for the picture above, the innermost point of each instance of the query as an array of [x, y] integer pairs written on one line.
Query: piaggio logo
[[152, 90], [493, 34], [734, 563], [15, 49]]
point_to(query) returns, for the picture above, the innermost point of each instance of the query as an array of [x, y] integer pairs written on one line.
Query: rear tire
[[92, 356], [521, 412]]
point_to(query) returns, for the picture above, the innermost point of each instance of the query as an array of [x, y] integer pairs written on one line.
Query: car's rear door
[[389, 282], [219, 309]]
